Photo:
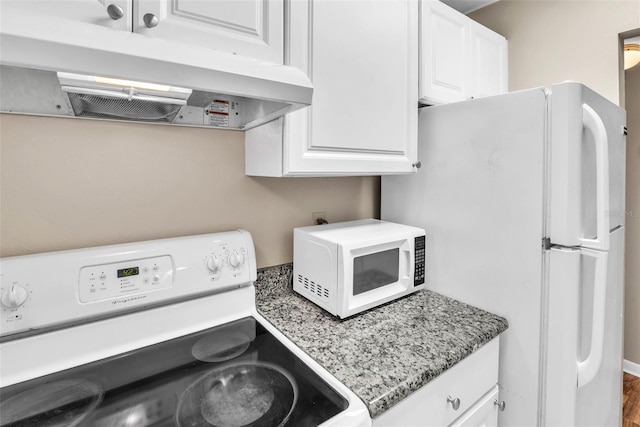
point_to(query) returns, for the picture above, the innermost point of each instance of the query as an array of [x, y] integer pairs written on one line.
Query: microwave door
[[375, 273]]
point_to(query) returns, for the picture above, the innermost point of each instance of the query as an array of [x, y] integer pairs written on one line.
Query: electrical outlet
[[318, 218]]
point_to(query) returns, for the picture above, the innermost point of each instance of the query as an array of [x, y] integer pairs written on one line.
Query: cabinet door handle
[[500, 404], [455, 403], [115, 11], [150, 20]]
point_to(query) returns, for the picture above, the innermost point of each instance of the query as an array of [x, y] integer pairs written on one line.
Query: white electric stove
[[162, 332]]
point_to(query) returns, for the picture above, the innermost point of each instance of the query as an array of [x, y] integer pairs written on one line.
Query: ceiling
[[467, 6]]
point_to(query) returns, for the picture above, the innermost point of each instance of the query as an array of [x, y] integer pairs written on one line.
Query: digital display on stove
[[127, 272]]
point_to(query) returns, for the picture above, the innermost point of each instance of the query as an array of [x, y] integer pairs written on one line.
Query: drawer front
[[468, 381], [482, 414]]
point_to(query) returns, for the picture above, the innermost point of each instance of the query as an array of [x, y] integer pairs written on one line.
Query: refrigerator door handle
[[589, 367], [593, 123]]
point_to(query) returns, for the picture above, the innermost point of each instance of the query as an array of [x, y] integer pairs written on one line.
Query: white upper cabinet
[[444, 51], [116, 14], [459, 58], [488, 64], [362, 58], [251, 28]]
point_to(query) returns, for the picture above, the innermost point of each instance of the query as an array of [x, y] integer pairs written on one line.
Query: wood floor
[[631, 401]]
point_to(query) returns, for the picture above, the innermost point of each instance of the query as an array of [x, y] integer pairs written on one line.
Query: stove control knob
[[236, 259], [214, 263], [14, 297]]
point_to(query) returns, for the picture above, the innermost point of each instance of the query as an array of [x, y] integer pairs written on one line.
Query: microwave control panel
[[420, 255]]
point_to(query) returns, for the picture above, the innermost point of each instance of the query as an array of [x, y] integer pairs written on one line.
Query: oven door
[[377, 271]]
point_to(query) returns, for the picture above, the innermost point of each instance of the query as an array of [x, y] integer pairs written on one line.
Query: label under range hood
[[226, 91]]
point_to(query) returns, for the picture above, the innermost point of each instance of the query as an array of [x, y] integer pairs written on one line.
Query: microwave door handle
[[407, 263]]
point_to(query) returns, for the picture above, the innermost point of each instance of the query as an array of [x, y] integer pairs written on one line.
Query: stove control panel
[[106, 281], [226, 261], [14, 296], [50, 290], [15, 299]]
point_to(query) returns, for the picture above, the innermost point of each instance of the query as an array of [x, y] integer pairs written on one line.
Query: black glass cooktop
[[233, 375]]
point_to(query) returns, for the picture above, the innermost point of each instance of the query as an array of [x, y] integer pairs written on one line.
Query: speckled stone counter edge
[[374, 353]]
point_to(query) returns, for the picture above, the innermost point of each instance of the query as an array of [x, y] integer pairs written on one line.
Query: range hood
[[49, 70]]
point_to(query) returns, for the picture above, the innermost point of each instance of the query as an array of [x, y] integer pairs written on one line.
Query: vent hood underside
[[28, 91], [227, 91]]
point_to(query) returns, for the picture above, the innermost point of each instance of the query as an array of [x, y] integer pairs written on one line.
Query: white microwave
[[349, 267]]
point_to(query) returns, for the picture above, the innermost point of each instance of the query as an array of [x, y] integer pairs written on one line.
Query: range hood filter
[[104, 107]]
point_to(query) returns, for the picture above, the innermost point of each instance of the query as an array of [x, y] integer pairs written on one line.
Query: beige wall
[[71, 183], [552, 41], [555, 40], [632, 273]]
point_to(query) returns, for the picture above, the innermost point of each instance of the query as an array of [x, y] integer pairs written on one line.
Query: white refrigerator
[[522, 198]]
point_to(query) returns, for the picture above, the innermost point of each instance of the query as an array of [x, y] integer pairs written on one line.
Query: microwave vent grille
[[313, 287]]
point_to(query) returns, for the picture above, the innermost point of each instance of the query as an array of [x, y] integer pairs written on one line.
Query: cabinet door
[[488, 61], [96, 12], [444, 54], [251, 28], [483, 414], [362, 58]]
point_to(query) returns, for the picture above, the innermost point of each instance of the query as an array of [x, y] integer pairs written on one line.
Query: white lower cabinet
[[483, 414], [362, 58], [464, 395]]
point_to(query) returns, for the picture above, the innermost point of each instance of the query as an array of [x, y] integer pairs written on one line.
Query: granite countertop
[[383, 354]]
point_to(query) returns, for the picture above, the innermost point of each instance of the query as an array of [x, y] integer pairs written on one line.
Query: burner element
[[56, 403], [220, 347], [239, 395], [220, 407]]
